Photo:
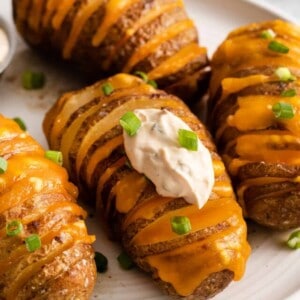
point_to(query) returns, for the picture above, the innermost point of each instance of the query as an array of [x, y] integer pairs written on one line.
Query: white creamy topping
[[174, 170], [4, 45]]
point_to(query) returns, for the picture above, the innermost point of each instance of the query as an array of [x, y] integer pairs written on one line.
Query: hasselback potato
[[45, 251], [84, 125], [255, 119], [105, 37]]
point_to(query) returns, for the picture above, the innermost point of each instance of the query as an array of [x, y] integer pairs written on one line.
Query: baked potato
[[45, 250], [255, 111], [84, 125], [107, 37]]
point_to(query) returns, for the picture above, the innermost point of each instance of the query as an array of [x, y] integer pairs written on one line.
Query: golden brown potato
[[107, 37], [84, 125], [35, 192], [260, 146]]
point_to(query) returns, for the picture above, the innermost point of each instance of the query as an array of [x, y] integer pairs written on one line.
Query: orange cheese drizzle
[[35, 14], [155, 12], [156, 41], [114, 10], [84, 13], [177, 61], [61, 12], [51, 7], [128, 191]]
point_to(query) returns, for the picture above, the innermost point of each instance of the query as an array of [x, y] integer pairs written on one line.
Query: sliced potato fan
[[84, 125]]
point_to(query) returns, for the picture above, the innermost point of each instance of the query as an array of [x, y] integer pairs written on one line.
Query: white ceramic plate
[[273, 270]]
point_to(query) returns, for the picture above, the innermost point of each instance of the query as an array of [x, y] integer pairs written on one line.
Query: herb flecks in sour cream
[[175, 171]]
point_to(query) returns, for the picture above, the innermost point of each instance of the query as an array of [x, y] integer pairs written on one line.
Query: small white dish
[[7, 44]]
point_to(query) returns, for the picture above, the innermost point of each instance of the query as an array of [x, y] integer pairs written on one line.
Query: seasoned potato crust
[[104, 37], [84, 125]]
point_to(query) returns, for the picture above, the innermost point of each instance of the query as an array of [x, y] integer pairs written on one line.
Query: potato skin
[[36, 191], [91, 139], [243, 92], [137, 35]]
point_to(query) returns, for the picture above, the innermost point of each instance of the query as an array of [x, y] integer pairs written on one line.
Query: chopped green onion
[[283, 110], [130, 123], [101, 262], [20, 122], [3, 165], [268, 34], [294, 240], [289, 93], [181, 225], [284, 74], [152, 83], [143, 75], [107, 89], [188, 139], [33, 80], [125, 261], [55, 156], [14, 228], [33, 242], [278, 47]]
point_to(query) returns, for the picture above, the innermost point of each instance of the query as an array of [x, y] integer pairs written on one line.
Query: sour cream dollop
[[175, 171], [4, 45]]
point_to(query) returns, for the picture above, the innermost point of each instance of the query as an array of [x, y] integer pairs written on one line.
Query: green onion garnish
[[33, 242], [289, 93], [188, 139], [283, 110], [3, 165], [55, 156], [33, 80], [181, 225], [284, 74], [143, 75], [107, 89], [268, 34], [20, 122], [294, 240], [278, 47], [14, 228], [152, 83], [130, 123], [101, 262], [125, 261]]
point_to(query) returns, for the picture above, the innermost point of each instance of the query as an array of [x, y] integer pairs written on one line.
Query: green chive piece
[[20, 122], [130, 123], [153, 83], [293, 241], [55, 156], [188, 139], [268, 34], [101, 262], [284, 74], [3, 165], [289, 93], [33, 242], [181, 225], [14, 228], [278, 47], [107, 89], [125, 261], [283, 110], [33, 80], [143, 75]]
